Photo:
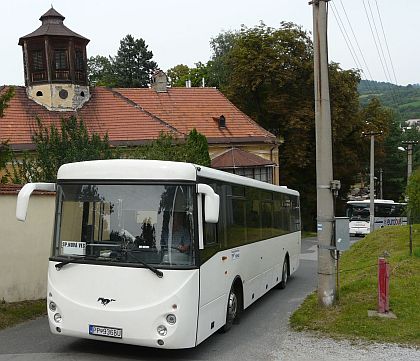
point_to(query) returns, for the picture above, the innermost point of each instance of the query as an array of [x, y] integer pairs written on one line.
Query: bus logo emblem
[[105, 301]]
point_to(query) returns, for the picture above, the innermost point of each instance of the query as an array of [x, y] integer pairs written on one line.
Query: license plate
[[105, 331]]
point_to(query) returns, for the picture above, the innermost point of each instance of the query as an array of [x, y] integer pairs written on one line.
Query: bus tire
[[232, 308], [284, 274]]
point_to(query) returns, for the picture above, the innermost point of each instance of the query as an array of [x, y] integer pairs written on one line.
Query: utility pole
[[372, 179], [409, 144], [381, 190], [324, 171]]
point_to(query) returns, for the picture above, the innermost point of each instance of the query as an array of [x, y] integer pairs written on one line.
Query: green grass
[[358, 292], [16, 312]]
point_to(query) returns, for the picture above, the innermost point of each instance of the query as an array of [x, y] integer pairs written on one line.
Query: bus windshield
[[125, 224], [358, 212]]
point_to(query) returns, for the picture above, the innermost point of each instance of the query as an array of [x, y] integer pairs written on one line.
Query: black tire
[[284, 274], [232, 309]]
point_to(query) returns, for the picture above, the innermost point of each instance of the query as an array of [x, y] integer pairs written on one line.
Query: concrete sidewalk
[[301, 346]]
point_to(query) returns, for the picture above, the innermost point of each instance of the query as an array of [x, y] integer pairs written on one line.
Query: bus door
[[213, 277]]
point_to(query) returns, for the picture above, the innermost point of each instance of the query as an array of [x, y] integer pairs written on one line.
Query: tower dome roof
[[52, 25]]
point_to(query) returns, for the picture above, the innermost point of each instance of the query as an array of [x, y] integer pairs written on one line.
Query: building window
[[80, 64], [60, 59], [38, 60], [264, 174]]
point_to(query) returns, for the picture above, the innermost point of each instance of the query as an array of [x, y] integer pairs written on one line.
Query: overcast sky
[[178, 32]]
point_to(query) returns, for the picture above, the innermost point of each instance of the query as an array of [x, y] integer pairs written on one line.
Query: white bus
[[163, 254], [386, 212]]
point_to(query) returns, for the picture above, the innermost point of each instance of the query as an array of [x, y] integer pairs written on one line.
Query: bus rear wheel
[[232, 309], [284, 274]]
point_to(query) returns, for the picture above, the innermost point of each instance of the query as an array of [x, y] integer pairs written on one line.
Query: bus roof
[[376, 201], [143, 169]]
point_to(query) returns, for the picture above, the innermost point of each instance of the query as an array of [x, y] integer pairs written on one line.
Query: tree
[[167, 147], [133, 65], [100, 71], [55, 147], [268, 74], [130, 68], [179, 74], [413, 193], [5, 153], [197, 149]]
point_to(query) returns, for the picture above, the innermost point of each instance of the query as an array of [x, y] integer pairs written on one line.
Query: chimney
[[159, 82], [188, 83]]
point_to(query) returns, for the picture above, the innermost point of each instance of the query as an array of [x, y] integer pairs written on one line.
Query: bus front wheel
[[232, 309]]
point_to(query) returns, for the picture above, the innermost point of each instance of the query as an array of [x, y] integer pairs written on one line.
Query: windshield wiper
[[153, 269], [60, 265]]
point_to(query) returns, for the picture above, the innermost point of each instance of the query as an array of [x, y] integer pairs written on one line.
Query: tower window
[[38, 60], [60, 59], [79, 60]]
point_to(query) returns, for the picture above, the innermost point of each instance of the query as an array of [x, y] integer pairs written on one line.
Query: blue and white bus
[[386, 213], [121, 270]]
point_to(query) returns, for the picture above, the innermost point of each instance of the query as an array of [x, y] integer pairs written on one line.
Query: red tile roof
[[186, 108], [236, 158], [15, 188], [135, 115]]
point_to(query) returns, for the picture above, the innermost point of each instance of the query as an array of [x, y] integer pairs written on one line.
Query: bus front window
[[358, 213], [125, 223]]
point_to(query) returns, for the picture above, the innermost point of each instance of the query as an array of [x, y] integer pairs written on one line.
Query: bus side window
[[209, 229], [210, 234]]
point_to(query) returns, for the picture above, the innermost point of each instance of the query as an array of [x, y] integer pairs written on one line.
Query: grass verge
[[358, 292], [16, 312]]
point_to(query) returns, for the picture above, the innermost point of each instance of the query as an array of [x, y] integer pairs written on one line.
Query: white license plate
[[105, 331]]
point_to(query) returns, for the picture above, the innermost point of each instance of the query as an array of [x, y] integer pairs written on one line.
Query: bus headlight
[[57, 318], [162, 330], [171, 319], [52, 306]]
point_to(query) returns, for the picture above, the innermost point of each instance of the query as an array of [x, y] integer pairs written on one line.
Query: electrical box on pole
[[342, 235]]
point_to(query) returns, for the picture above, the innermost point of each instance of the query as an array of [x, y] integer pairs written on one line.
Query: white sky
[[179, 31]]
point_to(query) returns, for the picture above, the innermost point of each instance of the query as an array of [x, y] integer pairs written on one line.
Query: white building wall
[[25, 248]]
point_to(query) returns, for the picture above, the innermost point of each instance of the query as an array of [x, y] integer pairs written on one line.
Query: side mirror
[[211, 203], [24, 195]]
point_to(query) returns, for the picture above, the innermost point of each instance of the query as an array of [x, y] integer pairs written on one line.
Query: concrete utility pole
[[372, 179], [324, 170], [409, 144], [381, 190]]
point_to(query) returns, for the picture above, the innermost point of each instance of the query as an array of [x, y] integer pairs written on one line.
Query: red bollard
[[383, 285]]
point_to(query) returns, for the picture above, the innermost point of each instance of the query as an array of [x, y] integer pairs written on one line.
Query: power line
[[386, 42], [357, 43], [381, 59]]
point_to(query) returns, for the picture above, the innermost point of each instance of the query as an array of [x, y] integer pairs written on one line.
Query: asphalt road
[[258, 336]]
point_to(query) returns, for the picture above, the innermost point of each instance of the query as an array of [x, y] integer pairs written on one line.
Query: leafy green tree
[[179, 74], [5, 153], [55, 147], [197, 149], [167, 147], [268, 74], [133, 64], [5, 98], [130, 68], [413, 193], [100, 71]]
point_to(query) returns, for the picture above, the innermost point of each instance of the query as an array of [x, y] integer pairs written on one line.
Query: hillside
[[405, 100]]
